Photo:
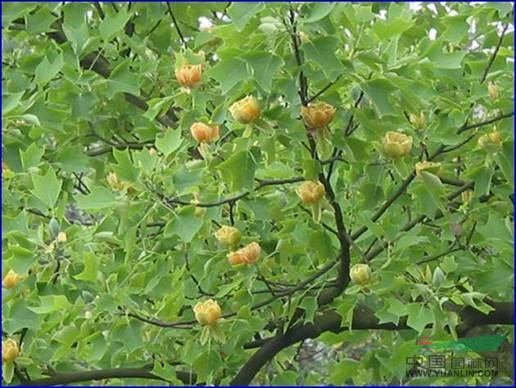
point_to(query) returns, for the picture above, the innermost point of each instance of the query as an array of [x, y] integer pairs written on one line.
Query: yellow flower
[[115, 183], [417, 121], [311, 191], [189, 75], [11, 279], [246, 255], [10, 350], [432, 167], [245, 110], [360, 274], [208, 312], [493, 91], [494, 138], [317, 115], [228, 235], [62, 237], [396, 144], [203, 133]]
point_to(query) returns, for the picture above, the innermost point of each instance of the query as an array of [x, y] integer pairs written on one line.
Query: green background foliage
[[89, 89]]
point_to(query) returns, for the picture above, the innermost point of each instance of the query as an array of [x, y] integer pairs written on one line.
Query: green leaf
[[229, 73], [385, 30], [207, 363], [158, 106], [113, 24], [241, 13], [39, 21], [91, 268], [343, 371], [122, 80], [48, 69], [185, 225], [238, 171], [322, 51], [286, 378], [169, 141], [264, 65], [31, 157], [317, 11], [418, 316], [47, 187], [19, 317], [51, 303], [379, 91], [99, 198]]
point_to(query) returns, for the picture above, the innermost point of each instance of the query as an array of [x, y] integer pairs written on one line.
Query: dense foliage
[[187, 189]]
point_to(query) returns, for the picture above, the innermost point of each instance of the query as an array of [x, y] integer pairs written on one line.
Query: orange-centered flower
[[311, 191], [207, 312], [317, 115], [431, 167], [396, 144], [228, 235], [246, 255], [11, 279], [189, 75], [10, 350], [203, 133], [245, 110], [490, 139]]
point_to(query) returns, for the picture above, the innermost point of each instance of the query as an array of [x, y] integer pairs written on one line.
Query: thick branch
[[363, 318], [102, 374]]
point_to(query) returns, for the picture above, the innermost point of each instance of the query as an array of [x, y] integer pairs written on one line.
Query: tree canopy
[[220, 193]]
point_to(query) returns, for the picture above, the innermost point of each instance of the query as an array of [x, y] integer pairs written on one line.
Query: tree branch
[[363, 318], [176, 25], [495, 52], [261, 184], [102, 374]]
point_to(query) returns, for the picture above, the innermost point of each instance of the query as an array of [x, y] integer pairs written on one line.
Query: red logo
[[424, 340]]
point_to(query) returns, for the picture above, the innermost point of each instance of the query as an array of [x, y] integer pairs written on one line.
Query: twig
[[176, 25], [495, 52], [329, 85]]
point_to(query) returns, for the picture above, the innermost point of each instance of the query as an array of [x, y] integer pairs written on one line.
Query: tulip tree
[[111, 207]]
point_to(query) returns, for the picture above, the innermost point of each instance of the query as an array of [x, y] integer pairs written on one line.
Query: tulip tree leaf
[[238, 171], [47, 187]]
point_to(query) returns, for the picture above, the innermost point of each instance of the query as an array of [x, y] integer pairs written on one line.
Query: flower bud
[[152, 151], [317, 115], [11, 279], [62, 237], [189, 75], [396, 144], [246, 255], [199, 212], [466, 196], [431, 167], [417, 121], [493, 91], [115, 183], [228, 235], [245, 110], [303, 37], [490, 139], [203, 133], [360, 274], [208, 312], [10, 350], [311, 191]]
